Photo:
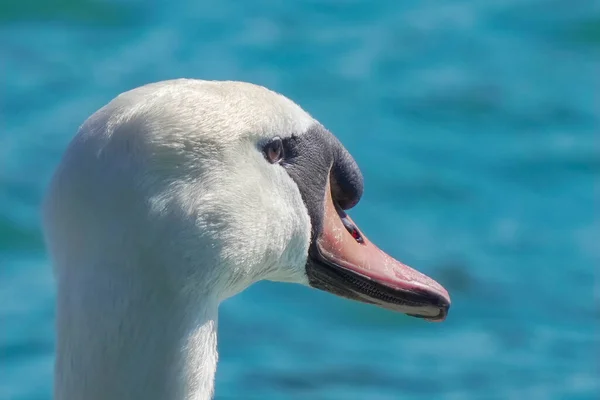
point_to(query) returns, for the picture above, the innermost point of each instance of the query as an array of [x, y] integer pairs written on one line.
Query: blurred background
[[475, 124]]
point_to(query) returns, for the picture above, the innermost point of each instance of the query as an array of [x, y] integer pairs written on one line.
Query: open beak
[[344, 262]]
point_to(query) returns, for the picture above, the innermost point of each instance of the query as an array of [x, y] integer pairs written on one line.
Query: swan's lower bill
[[344, 262]]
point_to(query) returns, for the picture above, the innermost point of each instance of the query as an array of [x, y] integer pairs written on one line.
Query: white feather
[[161, 208]]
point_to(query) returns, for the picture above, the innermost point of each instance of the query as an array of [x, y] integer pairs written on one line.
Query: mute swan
[[179, 194]]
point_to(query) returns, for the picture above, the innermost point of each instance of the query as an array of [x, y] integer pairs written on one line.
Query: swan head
[[202, 188]]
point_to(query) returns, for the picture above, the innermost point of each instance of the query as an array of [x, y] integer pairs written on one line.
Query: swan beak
[[343, 261]]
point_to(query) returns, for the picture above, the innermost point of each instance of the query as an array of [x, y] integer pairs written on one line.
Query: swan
[[179, 194]]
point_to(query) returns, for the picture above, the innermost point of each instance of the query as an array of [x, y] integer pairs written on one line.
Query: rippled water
[[475, 124]]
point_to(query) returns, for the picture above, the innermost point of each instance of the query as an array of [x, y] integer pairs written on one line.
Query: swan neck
[[148, 344]]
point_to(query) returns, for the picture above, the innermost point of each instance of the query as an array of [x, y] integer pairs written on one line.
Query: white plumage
[[155, 215]]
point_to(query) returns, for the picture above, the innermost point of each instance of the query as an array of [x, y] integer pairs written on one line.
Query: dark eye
[[274, 150]]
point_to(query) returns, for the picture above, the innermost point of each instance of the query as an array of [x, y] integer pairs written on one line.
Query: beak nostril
[[350, 227], [353, 230]]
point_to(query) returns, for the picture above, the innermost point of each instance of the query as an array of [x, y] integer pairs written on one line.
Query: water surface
[[475, 124]]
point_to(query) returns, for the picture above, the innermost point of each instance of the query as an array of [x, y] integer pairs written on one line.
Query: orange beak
[[354, 267]]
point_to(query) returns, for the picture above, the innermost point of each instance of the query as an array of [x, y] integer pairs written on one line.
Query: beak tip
[[444, 308], [444, 304], [440, 317], [443, 312]]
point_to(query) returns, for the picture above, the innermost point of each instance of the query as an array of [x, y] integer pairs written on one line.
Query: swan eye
[[274, 150], [353, 230]]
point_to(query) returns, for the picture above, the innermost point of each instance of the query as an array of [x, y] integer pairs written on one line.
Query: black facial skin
[[310, 159]]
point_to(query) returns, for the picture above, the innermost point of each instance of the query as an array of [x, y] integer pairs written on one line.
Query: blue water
[[476, 127]]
